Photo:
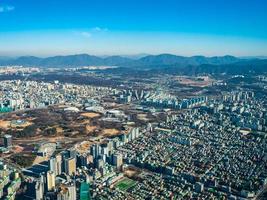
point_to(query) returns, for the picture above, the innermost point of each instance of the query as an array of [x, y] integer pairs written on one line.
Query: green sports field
[[125, 184]]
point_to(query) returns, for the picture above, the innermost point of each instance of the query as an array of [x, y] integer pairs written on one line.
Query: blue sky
[[108, 27]]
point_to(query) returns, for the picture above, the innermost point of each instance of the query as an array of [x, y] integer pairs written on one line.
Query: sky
[[125, 27]]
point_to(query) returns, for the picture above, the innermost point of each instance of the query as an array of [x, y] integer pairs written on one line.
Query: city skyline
[[119, 28], [133, 99]]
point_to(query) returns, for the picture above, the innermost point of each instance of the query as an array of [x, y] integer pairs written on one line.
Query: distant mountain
[[136, 56], [149, 61], [166, 63], [253, 57], [169, 59], [24, 60], [4, 58], [65, 61], [116, 60], [258, 66], [71, 61]]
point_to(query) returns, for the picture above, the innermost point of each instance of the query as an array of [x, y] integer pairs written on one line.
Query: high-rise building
[[55, 164], [39, 192], [70, 166], [72, 153], [7, 141], [51, 180], [95, 150], [117, 160], [84, 160], [52, 164], [35, 188], [58, 164], [85, 192], [67, 192]]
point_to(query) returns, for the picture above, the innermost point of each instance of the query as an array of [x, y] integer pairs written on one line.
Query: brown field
[[4, 124], [84, 146], [59, 129], [90, 114], [90, 129], [85, 121], [110, 132], [22, 126], [17, 149], [131, 173], [195, 82]]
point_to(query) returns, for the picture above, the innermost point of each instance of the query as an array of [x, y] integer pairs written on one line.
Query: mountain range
[[146, 61], [163, 61]]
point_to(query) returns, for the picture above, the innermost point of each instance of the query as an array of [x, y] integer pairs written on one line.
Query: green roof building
[[5, 109], [84, 192]]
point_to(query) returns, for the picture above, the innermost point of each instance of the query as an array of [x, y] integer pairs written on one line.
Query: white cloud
[[6, 8], [98, 29], [86, 34], [90, 32]]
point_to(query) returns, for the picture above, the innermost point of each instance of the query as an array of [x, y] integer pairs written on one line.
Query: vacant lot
[[90, 114], [4, 124], [110, 132]]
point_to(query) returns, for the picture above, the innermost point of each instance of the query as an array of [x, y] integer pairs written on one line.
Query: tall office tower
[[43, 181], [7, 141], [72, 153], [39, 192], [84, 160], [67, 192], [104, 148], [110, 147], [51, 181], [118, 160], [52, 165], [72, 191], [65, 154], [58, 164], [94, 150], [55, 164], [100, 163], [35, 189], [70, 166]]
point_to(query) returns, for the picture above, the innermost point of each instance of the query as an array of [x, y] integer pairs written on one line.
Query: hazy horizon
[[132, 56]]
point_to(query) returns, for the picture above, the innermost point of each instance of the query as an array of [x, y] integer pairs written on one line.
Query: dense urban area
[[110, 133]]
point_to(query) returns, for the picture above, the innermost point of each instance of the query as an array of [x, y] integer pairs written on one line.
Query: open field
[[131, 173], [4, 124], [110, 132], [90, 114], [90, 129], [14, 122], [83, 147], [125, 184], [195, 81]]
